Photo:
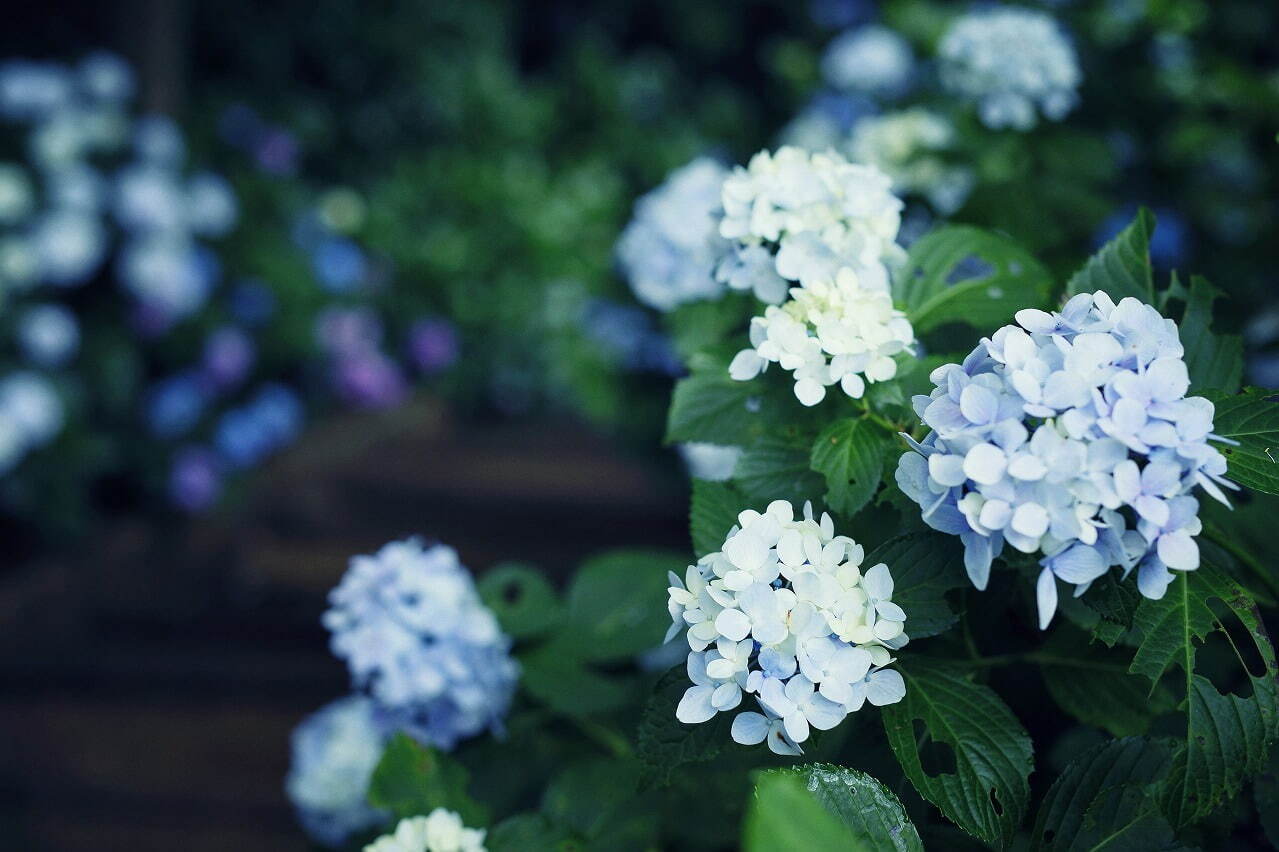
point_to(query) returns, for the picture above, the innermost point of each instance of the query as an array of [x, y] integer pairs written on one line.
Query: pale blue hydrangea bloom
[[48, 335], [669, 250], [785, 613], [415, 634], [1069, 434], [335, 751], [31, 415], [871, 59], [1015, 63], [712, 462]]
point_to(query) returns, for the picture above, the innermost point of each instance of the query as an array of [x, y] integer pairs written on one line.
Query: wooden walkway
[[147, 689]]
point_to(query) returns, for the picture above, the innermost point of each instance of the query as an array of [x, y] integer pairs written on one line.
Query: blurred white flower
[[69, 246], [669, 250], [712, 462], [48, 335], [908, 146], [439, 831], [17, 199], [1012, 62], [871, 59]]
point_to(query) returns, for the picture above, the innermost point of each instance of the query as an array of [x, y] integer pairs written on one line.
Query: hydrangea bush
[[1068, 439]]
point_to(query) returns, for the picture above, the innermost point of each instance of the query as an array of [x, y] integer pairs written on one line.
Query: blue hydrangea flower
[[335, 751], [669, 250], [1015, 63], [175, 405], [1070, 435], [410, 624]]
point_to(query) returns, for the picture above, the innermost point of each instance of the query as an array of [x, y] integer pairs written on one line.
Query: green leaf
[[777, 469], [556, 675], [1252, 419], [1122, 266], [783, 815], [695, 325], [1215, 361], [1116, 602], [712, 407], [530, 833], [597, 799], [988, 793], [1103, 801], [411, 780], [1227, 736], [664, 745], [617, 603], [521, 598], [712, 513], [925, 566], [850, 455], [1010, 279], [1265, 794], [872, 814], [1093, 685]]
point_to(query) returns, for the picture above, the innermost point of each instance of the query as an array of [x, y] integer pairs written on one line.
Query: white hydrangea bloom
[[810, 215], [1012, 62], [784, 613], [906, 145], [871, 59], [836, 332], [712, 462], [1070, 435], [669, 250], [440, 831]]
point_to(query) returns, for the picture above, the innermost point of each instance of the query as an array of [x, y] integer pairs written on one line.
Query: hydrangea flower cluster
[[335, 751], [1069, 434], [669, 250], [712, 462], [870, 59], [1012, 62], [785, 613], [440, 831], [908, 145], [793, 216], [835, 332], [31, 415], [410, 624]]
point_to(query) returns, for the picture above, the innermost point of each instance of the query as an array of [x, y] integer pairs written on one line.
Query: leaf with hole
[[1104, 801], [1227, 736], [987, 793], [520, 596]]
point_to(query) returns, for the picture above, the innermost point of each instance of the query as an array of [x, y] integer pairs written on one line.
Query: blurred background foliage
[[443, 184]]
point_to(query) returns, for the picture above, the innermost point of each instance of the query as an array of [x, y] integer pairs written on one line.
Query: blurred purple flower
[[348, 331], [369, 379], [433, 344], [195, 479], [277, 152], [229, 354]]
